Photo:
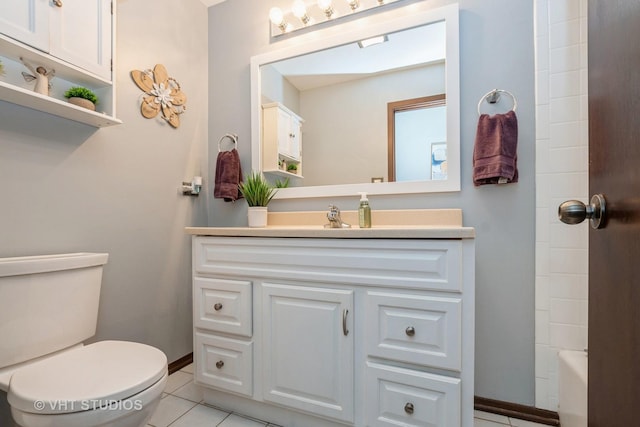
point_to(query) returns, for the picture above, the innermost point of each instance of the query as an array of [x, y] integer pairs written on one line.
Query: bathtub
[[572, 388]]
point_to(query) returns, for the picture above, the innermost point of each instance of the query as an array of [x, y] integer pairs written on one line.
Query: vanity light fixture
[[303, 14], [299, 10], [327, 7], [354, 4], [277, 18], [373, 40]]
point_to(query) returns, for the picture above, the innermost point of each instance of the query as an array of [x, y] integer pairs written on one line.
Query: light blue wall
[[68, 187], [497, 51]]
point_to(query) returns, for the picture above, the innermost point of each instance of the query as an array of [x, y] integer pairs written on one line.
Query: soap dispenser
[[364, 212]]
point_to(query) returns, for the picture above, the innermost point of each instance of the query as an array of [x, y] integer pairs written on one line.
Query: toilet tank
[[47, 303]]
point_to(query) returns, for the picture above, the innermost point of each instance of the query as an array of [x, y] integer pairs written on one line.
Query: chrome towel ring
[[233, 137], [493, 97]]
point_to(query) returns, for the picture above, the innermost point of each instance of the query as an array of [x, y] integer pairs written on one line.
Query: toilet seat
[[89, 378]]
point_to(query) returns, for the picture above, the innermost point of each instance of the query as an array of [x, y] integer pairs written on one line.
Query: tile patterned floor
[[182, 406]]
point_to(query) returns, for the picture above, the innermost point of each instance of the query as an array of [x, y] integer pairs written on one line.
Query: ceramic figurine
[[40, 75]]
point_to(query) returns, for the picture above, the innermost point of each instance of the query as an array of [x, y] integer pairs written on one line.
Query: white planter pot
[[257, 216]]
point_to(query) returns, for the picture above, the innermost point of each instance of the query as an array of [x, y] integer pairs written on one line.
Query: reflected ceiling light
[[327, 7], [354, 4], [372, 41], [277, 18], [299, 10]]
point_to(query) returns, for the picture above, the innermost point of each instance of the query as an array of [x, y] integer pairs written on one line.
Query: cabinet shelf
[[13, 89], [36, 101], [282, 173]]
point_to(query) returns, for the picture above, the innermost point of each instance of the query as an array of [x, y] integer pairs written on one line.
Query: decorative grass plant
[[256, 190]]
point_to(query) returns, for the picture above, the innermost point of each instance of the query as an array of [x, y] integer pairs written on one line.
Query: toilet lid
[[86, 378]]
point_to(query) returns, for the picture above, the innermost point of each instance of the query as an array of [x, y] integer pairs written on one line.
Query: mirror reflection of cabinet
[[282, 140]]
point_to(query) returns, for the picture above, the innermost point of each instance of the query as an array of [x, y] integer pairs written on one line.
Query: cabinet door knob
[[408, 408], [219, 364], [217, 306], [410, 331], [57, 3]]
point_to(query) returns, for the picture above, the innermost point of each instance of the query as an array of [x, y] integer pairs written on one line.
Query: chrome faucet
[[334, 218]]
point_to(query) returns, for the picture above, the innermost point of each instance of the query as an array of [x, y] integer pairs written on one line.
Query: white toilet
[[48, 306]]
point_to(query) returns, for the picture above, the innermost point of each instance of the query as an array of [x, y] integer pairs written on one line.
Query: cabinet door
[[295, 137], [81, 35], [26, 21], [308, 349], [284, 133]]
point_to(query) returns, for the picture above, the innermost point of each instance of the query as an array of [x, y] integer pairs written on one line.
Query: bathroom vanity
[[323, 327]]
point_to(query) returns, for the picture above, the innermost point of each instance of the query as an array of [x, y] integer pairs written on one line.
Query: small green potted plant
[[292, 168], [258, 193], [282, 183], [82, 97]]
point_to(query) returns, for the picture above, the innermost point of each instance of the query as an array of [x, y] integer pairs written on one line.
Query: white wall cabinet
[[281, 140], [75, 31], [360, 332], [73, 37], [26, 21]]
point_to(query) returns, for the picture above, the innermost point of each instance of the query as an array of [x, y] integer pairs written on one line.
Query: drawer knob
[[408, 408], [410, 331], [219, 364], [217, 306]]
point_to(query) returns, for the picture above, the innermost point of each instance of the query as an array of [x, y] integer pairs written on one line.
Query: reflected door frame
[[400, 106]]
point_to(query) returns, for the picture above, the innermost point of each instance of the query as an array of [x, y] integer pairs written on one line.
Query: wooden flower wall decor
[[161, 94]]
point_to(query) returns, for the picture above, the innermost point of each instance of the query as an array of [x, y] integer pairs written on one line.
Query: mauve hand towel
[[228, 176], [495, 151]]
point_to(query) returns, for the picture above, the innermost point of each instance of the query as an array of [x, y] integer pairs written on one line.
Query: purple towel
[[228, 176], [495, 151]]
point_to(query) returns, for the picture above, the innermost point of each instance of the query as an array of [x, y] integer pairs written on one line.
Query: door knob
[[574, 211], [57, 3]]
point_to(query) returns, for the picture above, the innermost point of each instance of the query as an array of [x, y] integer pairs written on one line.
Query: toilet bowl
[[49, 307]]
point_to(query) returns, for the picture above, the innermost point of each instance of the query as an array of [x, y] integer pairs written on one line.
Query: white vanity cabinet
[[281, 140], [73, 37], [345, 331]]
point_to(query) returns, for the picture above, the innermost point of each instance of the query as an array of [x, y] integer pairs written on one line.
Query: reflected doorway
[[417, 136]]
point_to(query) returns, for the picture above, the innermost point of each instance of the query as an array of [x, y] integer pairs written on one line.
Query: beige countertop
[[389, 224]]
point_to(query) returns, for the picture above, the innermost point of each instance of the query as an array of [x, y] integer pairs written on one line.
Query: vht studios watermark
[[87, 405]]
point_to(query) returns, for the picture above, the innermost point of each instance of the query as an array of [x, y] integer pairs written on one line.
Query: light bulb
[[353, 4], [276, 16], [300, 11], [326, 7]]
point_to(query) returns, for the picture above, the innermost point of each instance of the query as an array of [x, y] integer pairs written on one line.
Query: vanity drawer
[[392, 263], [223, 305], [396, 396], [224, 363], [415, 328]]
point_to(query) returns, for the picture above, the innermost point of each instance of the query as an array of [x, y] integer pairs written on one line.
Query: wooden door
[[614, 251]]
